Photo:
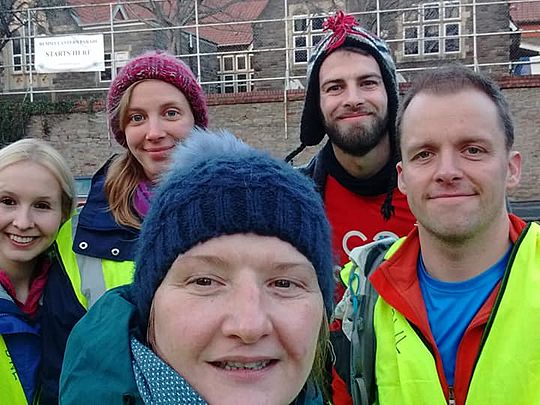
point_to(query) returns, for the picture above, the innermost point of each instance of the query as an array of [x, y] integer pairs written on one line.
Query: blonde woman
[[36, 196]]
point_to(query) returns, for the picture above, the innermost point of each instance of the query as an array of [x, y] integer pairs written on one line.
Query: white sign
[[535, 65], [70, 53]]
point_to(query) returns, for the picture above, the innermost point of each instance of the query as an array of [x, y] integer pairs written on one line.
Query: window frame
[[237, 79], [301, 53], [27, 50], [426, 45]]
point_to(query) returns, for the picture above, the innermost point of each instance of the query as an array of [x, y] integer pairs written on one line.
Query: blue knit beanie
[[217, 185]]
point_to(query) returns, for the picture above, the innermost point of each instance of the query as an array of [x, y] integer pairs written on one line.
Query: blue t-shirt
[[451, 306]]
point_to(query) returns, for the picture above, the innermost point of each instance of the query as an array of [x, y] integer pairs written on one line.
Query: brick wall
[[263, 120]]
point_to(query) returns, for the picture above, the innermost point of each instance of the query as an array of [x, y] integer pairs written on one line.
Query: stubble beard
[[357, 140]]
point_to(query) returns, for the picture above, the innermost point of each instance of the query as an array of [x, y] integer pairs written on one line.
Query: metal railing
[[500, 37]]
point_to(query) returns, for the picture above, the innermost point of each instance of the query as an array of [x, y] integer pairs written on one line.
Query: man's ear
[[400, 182], [514, 170]]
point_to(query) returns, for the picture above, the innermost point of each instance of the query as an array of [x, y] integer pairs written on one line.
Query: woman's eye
[[43, 205], [7, 201], [172, 113], [136, 117]]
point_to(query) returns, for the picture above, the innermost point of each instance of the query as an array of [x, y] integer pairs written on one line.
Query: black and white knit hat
[[345, 32]]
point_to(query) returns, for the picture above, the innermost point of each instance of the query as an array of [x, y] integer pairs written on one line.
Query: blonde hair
[[319, 371], [40, 152], [124, 173]]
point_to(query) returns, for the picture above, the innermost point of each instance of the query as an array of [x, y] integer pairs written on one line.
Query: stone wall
[[263, 120], [525, 105]]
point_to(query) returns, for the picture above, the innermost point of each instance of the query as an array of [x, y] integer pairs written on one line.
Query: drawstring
[[294, 153]]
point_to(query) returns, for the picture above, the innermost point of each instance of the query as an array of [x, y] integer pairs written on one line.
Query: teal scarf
[[157, 382]]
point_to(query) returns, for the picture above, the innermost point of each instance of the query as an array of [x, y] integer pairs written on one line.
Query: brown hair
[[124, 174], [451, 79]]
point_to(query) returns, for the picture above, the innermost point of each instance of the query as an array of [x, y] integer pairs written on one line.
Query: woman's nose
[[23, 219], [248, 315], [155, 129]]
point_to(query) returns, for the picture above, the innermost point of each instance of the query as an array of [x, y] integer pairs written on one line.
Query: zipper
[[451, 399], [500, 295]]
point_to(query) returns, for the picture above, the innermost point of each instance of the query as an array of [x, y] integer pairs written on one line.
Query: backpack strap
[[365, 260]]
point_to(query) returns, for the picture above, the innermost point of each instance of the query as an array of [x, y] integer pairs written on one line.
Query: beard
[[357, 140]]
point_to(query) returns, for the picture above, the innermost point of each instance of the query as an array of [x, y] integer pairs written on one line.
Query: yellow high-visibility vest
[[11, 390], [90, 276], [507, 371]]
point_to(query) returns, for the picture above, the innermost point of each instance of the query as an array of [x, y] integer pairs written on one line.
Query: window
[[241, 62], [307, 33], [228, 63], [22, 50], [411, 40], [451, 38], [236, 73], [432, 29], [411, 16], [431, 12], [431, 45], [121, 59]]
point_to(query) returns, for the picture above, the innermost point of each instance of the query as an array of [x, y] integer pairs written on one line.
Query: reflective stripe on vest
[[11, 390], [507, 371], [90, 276]]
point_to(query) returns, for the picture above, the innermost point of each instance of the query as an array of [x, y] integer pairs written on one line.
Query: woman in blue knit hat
[[233, 285]]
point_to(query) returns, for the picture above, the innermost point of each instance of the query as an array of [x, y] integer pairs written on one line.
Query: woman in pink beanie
[[153, 103]]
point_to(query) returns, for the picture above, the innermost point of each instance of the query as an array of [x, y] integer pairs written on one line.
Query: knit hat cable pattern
[[156, 65], [217, 185], [344, 31]]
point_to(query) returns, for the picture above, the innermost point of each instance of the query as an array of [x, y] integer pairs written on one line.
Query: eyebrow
[[221, 263], [466, 140], [9, 193], [207, 259], [169, 103], [361, 77]]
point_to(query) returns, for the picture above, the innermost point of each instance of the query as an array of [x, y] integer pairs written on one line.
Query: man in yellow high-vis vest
[[457, 319]]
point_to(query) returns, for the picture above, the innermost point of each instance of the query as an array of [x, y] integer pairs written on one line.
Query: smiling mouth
[[358, 115], [450, 196], [158, 150], [235, 365], [21, 239]]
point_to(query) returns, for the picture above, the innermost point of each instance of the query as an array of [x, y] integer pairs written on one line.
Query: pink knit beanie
[[160, 66]]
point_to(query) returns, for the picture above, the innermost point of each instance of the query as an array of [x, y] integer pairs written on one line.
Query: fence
[[242, 46]]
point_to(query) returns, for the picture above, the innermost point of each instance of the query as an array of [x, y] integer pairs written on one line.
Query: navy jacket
[[98, 234]]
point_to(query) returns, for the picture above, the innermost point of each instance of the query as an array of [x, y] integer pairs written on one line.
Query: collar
[[98, 234], [35, 291], [157, 382], [374, 185], [396, 279]]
